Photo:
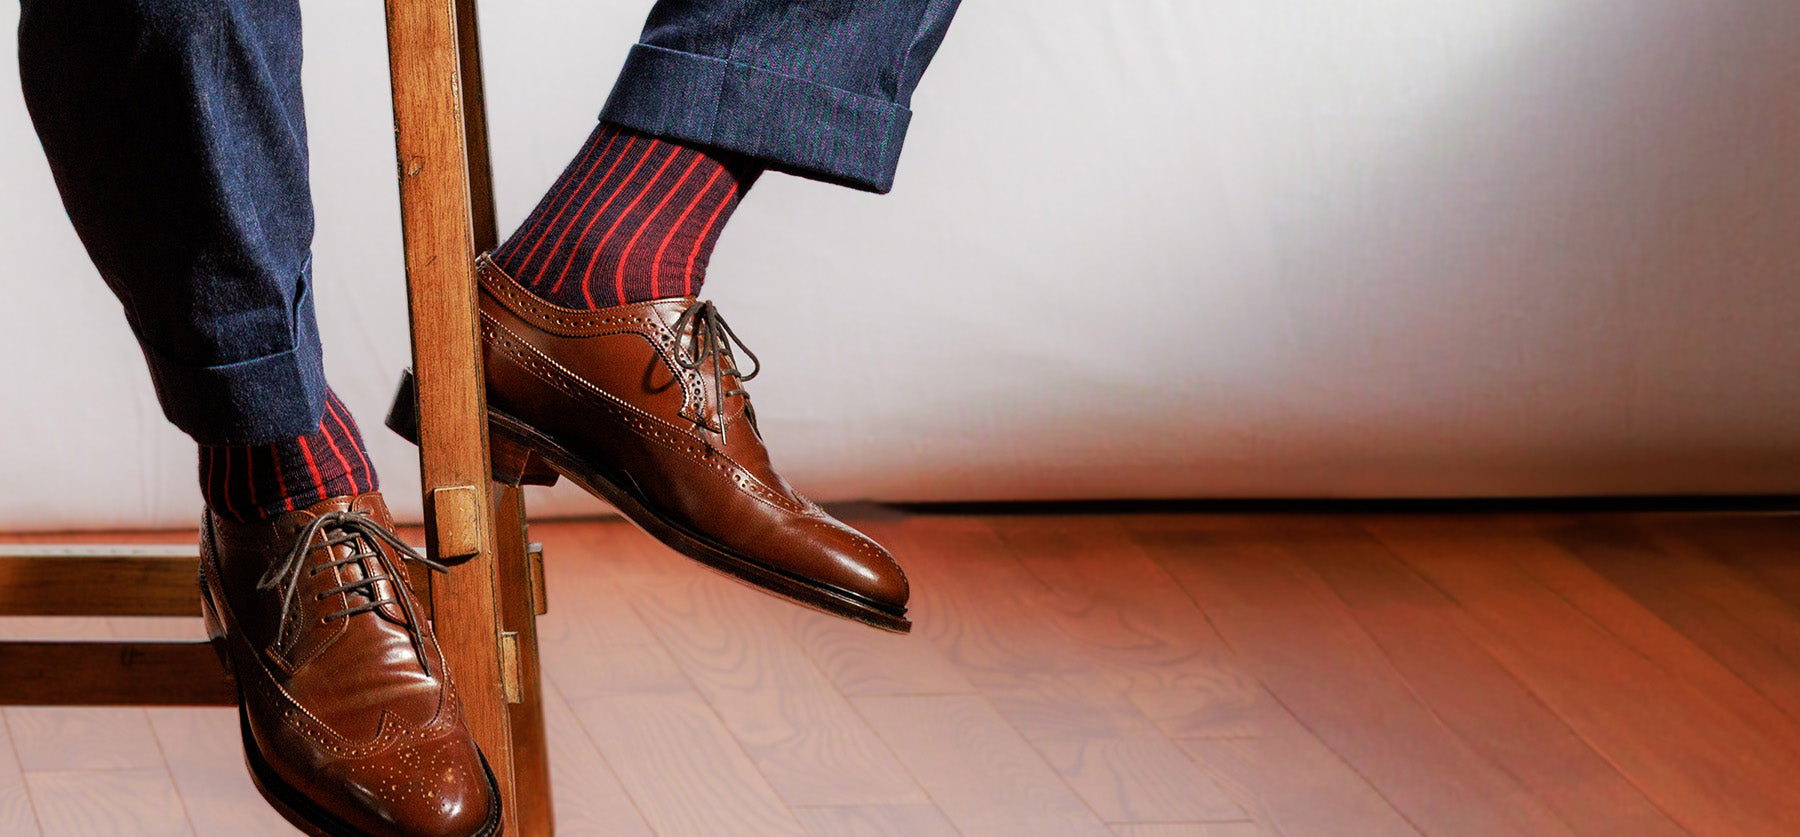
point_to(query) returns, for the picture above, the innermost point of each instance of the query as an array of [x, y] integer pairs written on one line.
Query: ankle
[[633, 218], [256, 482]]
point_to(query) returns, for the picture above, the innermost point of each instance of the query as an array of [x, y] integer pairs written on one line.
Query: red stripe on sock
[[250, 477], [668, 238], [625, 255], [350, 438], [583, 164], [687, 286], [318, 480], [330, 440], [280, 481], [586, 289], [565, 208], [602, 211], [225, 495], [206, 462]]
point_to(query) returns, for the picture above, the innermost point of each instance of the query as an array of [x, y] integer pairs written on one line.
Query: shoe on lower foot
[[351, 725]]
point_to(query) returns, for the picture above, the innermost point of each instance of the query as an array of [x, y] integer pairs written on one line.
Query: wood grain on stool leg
[[437, 218], [531, 758]]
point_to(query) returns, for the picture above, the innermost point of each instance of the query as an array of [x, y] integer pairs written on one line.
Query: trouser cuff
[[265, 399], [790, 124]]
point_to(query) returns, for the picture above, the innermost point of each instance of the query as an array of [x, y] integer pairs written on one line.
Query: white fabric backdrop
[[1154, 248]]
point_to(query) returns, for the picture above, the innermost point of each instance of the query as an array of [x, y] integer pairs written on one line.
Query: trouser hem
[[790, 124], [265, 399]]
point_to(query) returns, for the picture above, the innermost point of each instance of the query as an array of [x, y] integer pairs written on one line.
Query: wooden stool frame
[[485, 609]]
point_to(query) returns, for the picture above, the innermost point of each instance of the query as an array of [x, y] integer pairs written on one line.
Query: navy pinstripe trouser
[[177, 136]]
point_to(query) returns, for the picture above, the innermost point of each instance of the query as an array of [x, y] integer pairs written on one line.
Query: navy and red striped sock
[[256, 482], [632, 218]]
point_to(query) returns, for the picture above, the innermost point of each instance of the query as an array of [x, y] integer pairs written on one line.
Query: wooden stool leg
[[521, 600], [482, 609]]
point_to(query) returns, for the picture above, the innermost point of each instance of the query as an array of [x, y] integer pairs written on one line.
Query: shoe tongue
[[376, 508], [331, 504], [369, 504]]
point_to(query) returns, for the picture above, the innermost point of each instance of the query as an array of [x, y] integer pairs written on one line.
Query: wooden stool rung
[[83, 673], [89, 580]]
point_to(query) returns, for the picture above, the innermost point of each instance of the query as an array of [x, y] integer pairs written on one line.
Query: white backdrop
[[1145, 248]]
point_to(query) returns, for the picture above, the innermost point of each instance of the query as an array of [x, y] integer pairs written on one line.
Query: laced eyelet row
[[363, 535]]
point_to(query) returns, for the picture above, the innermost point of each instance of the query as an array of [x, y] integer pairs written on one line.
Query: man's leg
[[715, 93], [628, 385], [176, 134]]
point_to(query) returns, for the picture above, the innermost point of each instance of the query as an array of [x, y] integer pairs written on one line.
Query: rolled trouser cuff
[[791, 124], [263, 399]]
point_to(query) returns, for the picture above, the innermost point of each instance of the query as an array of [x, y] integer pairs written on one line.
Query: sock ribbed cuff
[[256, 482], [633, 217]]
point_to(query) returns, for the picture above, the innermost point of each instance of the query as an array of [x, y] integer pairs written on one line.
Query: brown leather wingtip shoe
[[643, 406], [351, 725]]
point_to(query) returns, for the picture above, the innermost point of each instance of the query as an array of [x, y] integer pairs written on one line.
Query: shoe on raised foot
[[351, 725], [643, 406]]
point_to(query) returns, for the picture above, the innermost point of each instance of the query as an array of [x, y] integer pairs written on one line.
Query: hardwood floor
[[1131, 675]]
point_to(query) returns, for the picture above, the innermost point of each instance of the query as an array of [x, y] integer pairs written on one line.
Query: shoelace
[[362, 532], [711, 337]]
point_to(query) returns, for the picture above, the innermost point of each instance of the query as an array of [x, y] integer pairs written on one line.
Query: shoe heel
[[512, 460], [403, 416], [515, 463]]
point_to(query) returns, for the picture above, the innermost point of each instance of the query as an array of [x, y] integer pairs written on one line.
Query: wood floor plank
[[156, 627], [1296, 636], [682, 768], [1134, 623], [54, 627], [1763, 547], [1746, 627], [1191, 829], [588, 799], [582, 584], [205, 758], [921, 820], [1473, 695], [82, 738], [1614, 674], [1708, 769], [995, 625], [1292, 784], [107, 803], [733, 644], [984, 777], [1630, 622], [860, 661], [16, 816]]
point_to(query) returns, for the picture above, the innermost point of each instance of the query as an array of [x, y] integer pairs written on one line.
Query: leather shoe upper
[[348, 701], [651, 394]]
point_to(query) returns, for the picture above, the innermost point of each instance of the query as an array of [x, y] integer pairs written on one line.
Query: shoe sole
[[316, 821], [286, 799], [505, 429]]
